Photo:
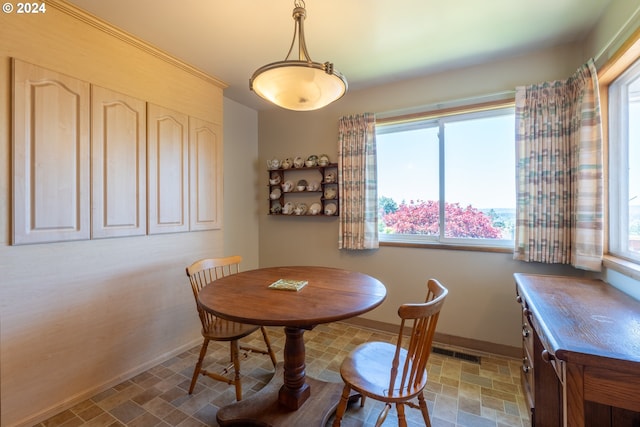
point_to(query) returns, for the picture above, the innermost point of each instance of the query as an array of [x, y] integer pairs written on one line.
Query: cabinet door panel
[[118, 164], [168, 170], [50, 156], [206, 175]]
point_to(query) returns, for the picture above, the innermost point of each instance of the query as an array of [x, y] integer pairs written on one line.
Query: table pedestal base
[[263, 408]]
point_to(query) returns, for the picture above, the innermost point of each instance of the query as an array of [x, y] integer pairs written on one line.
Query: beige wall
[[481, 305], [77, 317], [241, 182]]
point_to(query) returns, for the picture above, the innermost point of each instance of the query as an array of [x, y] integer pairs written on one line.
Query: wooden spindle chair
[[201, 273], [395, 374]]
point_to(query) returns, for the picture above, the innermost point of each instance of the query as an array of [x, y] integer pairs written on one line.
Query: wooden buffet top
[[586, 321]]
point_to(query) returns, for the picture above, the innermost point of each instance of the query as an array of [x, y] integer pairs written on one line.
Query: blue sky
[[483, 173]]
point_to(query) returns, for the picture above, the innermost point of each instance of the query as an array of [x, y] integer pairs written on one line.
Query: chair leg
[[196, 370], [342, 406], [272, 355], [402, 419], [383, 414], [424, 409], [235, 358]]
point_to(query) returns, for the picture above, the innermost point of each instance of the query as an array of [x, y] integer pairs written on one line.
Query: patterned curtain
[[357, 177], [559, 215]]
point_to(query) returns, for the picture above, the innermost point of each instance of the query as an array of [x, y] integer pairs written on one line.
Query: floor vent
[[456, 354]]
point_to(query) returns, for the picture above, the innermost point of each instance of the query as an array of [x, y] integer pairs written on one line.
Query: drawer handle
[[547, 357], [519, 299], [525, 365], [526, 312], [525, 330]]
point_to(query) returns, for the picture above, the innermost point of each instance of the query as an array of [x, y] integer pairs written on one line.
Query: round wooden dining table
[[331, 294]]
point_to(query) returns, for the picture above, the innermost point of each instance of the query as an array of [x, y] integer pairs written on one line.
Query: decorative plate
[[315, 208], [330, 193], [330, 209]]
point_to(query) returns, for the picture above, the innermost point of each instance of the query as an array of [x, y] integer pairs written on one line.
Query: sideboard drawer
[[527, 376]]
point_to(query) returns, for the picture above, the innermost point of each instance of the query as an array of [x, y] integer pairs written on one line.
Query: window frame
[[614, 67], [618, 158], [439, 117]]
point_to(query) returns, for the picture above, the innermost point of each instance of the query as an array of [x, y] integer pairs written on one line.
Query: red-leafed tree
[[421, 217]]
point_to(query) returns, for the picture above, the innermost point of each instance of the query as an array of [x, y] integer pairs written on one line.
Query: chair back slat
[[421, 319], [205, 271]]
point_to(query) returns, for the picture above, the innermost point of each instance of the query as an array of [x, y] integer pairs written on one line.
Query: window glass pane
[[480, 178], [634, 166], [448, 179], [408, 181], [624, 166]]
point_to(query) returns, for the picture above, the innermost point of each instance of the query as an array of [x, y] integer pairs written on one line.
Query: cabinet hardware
[[547, 357]]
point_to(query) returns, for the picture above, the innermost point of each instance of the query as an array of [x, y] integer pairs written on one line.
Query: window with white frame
[[624, 164], [448, 179]]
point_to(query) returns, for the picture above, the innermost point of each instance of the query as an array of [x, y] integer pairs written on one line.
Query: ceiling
[[371, 42]]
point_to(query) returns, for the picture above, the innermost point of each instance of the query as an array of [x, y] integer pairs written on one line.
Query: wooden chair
[[392, 373], [201, 273]]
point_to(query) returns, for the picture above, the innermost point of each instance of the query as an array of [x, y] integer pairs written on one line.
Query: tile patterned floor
[[460, 393]]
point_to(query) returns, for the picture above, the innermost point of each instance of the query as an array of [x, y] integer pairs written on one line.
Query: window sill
[[497, 249], [622, 266]]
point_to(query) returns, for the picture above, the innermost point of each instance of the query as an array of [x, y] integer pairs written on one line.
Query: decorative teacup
[[275, 179], [323, 160], [330, 177], [300, 209], [275, 194], [287, 186], [273, 163], [276, 208], [288, 208]]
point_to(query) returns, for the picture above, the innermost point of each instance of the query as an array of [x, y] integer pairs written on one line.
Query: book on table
[[288, 284]]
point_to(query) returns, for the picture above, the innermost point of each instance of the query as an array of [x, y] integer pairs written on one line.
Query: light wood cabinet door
[[118, 164], [205, 152], [168, 170], [50, 156]]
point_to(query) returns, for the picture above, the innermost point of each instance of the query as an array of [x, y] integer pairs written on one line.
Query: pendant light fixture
[[299, 84]]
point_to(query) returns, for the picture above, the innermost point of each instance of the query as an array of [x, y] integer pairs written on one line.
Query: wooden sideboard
[[581, 352]]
